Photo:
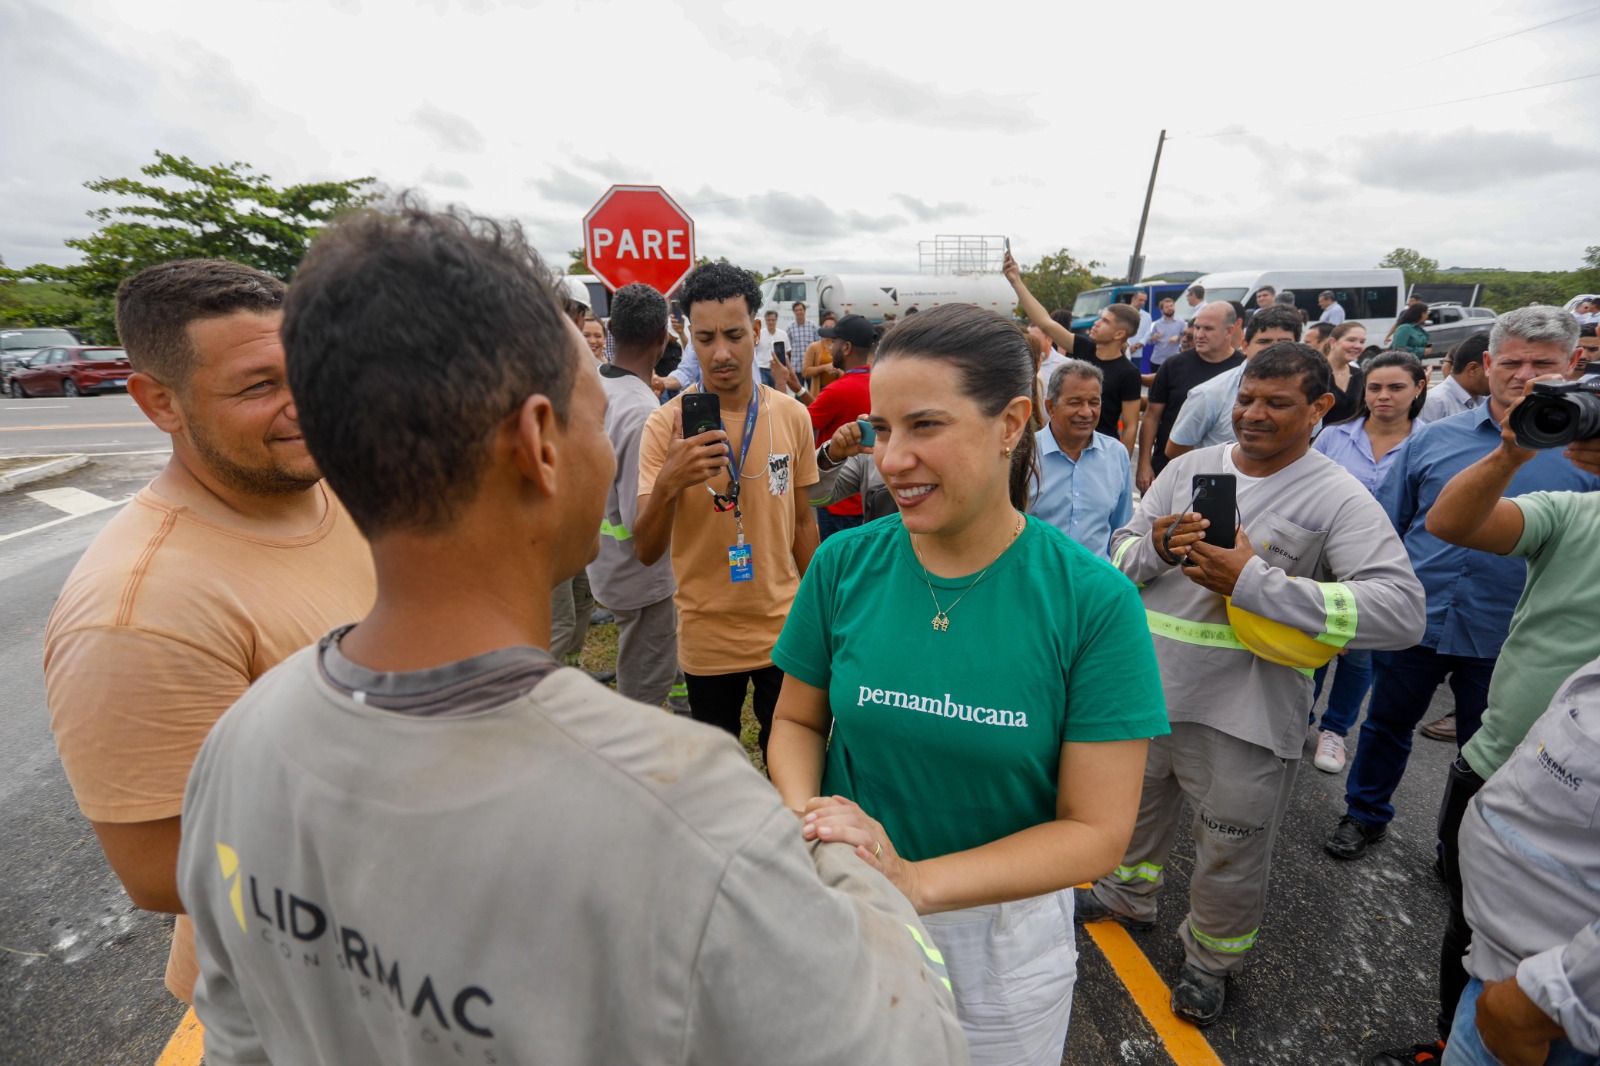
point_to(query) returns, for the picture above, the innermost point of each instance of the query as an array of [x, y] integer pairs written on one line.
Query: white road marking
[[53, 522], [73, 501], [36, 407]]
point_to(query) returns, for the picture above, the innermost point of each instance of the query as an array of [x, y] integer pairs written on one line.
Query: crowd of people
[[313, 687]]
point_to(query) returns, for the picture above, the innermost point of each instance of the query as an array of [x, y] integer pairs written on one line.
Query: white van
[[874, 294], [1372, 297]]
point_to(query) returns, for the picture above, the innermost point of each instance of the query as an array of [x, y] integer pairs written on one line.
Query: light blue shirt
[[1088, 499], [1333, 313], [1471, 594], [1207, 415], [1348, 445], [1449, 398]]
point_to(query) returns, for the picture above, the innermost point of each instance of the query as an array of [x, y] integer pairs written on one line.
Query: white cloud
[[837, 139]]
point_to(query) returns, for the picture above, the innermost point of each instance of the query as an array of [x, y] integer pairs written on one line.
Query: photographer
[[1503, 666]]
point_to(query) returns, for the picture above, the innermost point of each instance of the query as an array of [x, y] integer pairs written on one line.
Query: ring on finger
[[877, 850]]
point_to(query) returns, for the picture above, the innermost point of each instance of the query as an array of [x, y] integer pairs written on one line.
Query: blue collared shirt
[[1471, 594], [1348, 445], [1088, 499]]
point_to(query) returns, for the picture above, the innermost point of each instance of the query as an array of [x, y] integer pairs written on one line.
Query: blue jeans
[[829, 523], [1351, 683], [1403, 684], [1466, 1046]]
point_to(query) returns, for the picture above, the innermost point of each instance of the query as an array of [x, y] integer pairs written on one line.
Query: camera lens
[[1545, 420]]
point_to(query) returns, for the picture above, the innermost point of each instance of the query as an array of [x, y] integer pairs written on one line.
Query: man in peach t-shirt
[[233, 558]]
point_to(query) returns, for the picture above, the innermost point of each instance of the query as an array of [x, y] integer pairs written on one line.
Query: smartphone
[[869, 436], [777, 349], [701, 411], [1216, 499], [1008, 245]]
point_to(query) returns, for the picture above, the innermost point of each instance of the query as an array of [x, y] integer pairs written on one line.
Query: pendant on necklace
[[941, 622]]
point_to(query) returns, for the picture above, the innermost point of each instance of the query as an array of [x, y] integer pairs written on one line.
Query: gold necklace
[[941, 616]]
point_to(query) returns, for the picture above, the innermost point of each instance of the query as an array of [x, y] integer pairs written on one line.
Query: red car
[[71, 372]]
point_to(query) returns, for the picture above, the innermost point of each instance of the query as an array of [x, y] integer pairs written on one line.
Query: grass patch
[[600, 653]]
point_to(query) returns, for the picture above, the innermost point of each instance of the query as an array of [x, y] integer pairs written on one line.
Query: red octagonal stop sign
[[636, 233]]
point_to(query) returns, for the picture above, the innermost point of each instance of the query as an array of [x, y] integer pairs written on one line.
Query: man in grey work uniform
[[639, 596], [423, 840], [1313, 552], [1530, 856]]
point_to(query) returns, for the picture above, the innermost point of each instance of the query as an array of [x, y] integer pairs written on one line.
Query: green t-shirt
[[953, 739], [1411, 338], [1552, 634]]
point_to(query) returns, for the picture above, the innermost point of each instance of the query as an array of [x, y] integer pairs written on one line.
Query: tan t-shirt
[[723, 626], [161, 626]]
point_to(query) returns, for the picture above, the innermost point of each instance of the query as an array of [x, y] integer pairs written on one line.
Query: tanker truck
[[874, 294]]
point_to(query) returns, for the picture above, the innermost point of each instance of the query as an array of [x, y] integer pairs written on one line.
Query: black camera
[[1556, 413]]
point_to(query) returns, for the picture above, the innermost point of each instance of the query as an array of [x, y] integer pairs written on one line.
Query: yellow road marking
[[1186, 1044], [187, 1044], [79, 425]]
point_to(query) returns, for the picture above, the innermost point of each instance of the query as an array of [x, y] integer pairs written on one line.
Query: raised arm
[[1034, 310], [1471, 511]]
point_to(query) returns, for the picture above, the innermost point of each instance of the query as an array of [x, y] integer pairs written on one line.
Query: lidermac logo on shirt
[[943, 706]]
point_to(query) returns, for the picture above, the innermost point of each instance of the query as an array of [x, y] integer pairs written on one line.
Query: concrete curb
[[50, 467]]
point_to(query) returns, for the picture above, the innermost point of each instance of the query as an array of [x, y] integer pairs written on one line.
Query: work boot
[[1198, 997], [1352, 837], [1415, 1055], [1086, 908], [1441, 728]]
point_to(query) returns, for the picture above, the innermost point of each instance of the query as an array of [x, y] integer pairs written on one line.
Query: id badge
[[740, 566]]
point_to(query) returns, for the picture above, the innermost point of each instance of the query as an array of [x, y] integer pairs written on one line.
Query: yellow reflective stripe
[[616, 532], [935, 956], [1145, 871], [1206, 634], [1122, 549], [1227, 945], [1209, 634], [1340, 604]]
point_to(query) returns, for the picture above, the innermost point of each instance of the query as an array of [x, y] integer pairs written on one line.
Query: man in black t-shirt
[[1213, 354], [1104, 347]]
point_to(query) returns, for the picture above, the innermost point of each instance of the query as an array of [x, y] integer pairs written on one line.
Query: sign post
[[637, 233]]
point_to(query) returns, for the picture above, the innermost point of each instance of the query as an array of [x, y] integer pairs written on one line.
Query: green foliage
[[1506, 290], [579, 263], [1056, 280], [190, 211], [1417, 267]]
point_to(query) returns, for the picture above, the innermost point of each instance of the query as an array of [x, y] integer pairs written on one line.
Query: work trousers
[[647, 651], [1403, 684], [1239, 792], [571, 604], [1462, 784], [718, 699]]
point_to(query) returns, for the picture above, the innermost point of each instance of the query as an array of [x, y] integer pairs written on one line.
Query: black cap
[[852, 328]]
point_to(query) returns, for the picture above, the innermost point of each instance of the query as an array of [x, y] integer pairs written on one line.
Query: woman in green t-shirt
[[969, 692], [1409, 336]]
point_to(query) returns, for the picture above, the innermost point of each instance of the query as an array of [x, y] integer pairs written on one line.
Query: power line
[[1502, 37], [1398, 110]]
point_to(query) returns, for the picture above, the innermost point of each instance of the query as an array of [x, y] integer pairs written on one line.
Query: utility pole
[[1136, 264]]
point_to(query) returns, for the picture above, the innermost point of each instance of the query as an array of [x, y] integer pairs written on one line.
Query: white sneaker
[[1330, 752]]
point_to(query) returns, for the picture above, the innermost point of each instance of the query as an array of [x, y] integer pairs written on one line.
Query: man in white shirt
[[1332, 310], [1141, 338], [1466, 386]]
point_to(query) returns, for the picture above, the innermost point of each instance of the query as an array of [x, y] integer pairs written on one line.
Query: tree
[[225, 211], [579, 261], [1416, 266], [1589, 275], [1056, 280]]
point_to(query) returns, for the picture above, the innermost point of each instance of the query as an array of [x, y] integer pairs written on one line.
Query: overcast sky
[[836, 135]]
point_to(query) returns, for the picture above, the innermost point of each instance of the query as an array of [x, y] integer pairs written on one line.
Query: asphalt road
[[1345, 964], [81, 968], [96, 425]]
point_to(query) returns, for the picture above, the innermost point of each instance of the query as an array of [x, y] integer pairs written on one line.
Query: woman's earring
[[1008, 453]]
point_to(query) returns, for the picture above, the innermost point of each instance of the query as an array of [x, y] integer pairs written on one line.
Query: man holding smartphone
[[842, 401], [730, 503], [1311, 552]]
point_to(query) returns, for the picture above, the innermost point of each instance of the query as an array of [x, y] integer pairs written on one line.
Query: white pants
[[1012, 967]]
